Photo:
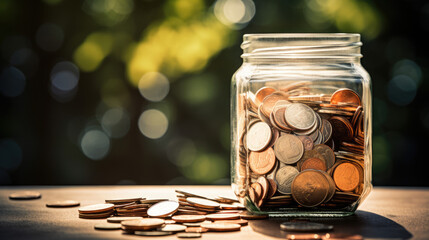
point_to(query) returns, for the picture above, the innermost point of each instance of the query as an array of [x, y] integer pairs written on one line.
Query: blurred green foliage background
[[137, 91]]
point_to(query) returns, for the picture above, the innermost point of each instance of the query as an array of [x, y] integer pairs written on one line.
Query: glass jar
[[301, 125]]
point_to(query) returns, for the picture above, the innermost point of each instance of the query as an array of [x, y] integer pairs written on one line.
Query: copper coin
[[300, 116], [120, 219], [25, 195], [273, 188], [258, 189], [313, 163], [96, 208], [279, 118], [262, 162], [284, 178], [222, 216], [96, 215], [222, 227], [258, 136], [355, 117], [63, 204], [307, 142], [265, 186], [188, 218], [326, 153], [262, 117], [341, 128], [163, 209], [123, 200], [270, 101], [332, 188], [310, 188], [253, 196], [262, 93], [143, 224], [345, 95], [242, 222], [346, 177], [201, 202], [288, 149], [107, 226], [196, 230]]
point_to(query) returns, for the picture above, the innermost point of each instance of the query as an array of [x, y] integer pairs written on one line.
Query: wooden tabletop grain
[[388, 213]]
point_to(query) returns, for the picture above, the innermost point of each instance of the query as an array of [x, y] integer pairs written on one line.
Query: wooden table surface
[[388, 213]]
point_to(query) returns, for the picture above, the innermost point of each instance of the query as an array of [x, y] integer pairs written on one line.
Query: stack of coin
[[190, 216], [296, 148]]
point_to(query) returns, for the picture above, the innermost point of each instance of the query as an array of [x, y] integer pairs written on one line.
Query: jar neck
[[301, 48]]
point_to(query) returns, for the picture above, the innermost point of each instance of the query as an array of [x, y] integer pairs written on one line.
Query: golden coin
[[284, 178], [201, 202], [346, 177], [262, 93], [222, 227], [163, 209], [313, 163], [259, 136], [25, 195], [188, 218], [288, 149], [222, 216], [345, 95], [300, 116], [97, 208], [262, 162], [310, 188], [63, 204], [142, 224]]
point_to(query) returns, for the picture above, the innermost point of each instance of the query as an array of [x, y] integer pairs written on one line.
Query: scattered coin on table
[[25, 195], [163, 209], [189, 235], [63, 204], [107, 226]]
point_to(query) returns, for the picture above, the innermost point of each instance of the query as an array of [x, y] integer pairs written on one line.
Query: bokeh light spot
[[12, 82], [10, 154], [64, 81], [49, 37], [116, 122], [95, 144], [235, 14], [89, 55], [408, 68], [206, 168], [153, 123], [154, 86], [402, 90]]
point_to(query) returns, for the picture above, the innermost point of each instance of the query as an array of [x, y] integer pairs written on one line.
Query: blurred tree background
[[137, 91]]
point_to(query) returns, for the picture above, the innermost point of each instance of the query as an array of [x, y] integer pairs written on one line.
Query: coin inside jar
[[284, 178], [345, 96], [262, 162], [313, 163], [300, 116], [310, 188], [346, 177], [288, 149], [258, 136]]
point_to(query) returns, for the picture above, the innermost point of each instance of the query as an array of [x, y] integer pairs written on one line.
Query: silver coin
[[305, 227], [107, 226], [259, 136], [300, 116], [284, 179], [188, 235]]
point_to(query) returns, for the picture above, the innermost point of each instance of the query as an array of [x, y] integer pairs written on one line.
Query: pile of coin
[[300, 149], [188, 217]]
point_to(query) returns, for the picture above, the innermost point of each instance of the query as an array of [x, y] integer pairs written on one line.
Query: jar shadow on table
[[367, 224]]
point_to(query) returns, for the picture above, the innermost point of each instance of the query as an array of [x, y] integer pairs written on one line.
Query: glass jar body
[[301, 136]]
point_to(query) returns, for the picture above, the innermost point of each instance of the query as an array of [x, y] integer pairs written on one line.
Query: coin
[[272, 189], [250, 216], [310, 188], [203, 202], [270, 101], [326, 153], [265, 187], [300, 116], [189, 235], [107, 226], [120, 219], [152, 201], [96, 215], [341, 128], [242, 222], [259, 136], [152, 233], [96, 208], [63, 204], [188, 218], [123, 200], [142, 224], [305, 227], [285, 177], [346, 177], [345, 95], [326, 130], [222, 227], [313, 163], [163, 209], [288, 149], [262, 93], [25, 195], [220, 216], [173, 228], [195, 224], [262, 162], [307, 142]]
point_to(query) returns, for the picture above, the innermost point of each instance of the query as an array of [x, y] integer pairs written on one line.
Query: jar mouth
[[344, 46]]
